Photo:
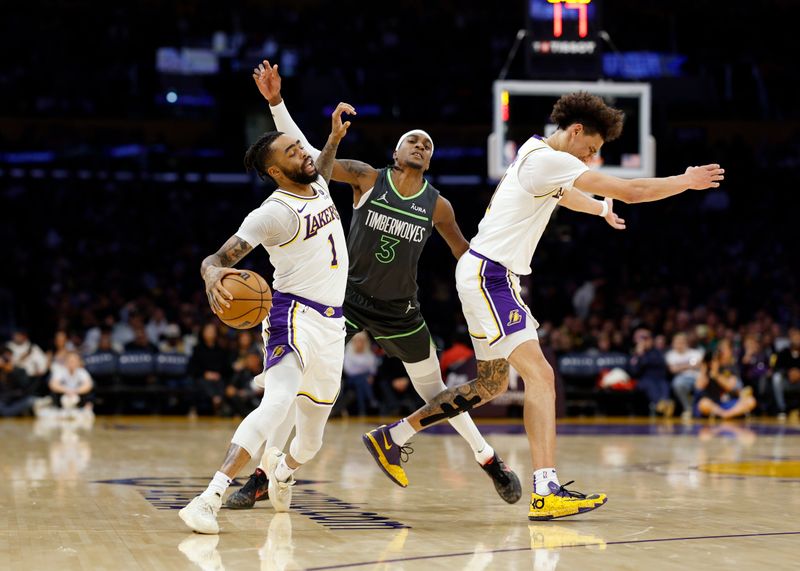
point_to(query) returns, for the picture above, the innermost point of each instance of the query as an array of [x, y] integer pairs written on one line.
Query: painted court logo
[[325, 510], [514, 317]]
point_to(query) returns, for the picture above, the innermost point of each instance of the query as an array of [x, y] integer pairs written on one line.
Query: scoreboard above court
[[563, 39]]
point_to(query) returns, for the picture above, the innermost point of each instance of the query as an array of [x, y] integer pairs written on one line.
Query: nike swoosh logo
[[386, 442], [301, 209]]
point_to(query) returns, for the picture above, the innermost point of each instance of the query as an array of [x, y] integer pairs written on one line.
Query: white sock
[[218, 485], [484, 454], [541, 479], [283, 472], [401, 432]]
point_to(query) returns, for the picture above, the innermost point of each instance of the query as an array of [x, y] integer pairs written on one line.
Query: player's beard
[[301, 177]]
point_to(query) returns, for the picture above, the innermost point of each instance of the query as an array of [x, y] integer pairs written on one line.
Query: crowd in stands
[[696, 299], [707, 365]]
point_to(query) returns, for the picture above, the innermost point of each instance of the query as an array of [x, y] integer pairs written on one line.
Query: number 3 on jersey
[[386, 253], [334, 260]]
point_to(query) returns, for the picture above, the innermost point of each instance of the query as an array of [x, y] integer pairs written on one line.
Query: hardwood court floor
[[680, 497]]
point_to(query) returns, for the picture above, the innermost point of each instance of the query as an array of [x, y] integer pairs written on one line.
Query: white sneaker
[[202, 551], [201, 514], [280, 493]]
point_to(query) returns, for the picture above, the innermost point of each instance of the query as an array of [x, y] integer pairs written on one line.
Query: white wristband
[[604, 212]]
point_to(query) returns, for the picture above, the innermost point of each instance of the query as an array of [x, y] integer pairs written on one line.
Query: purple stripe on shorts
[[496, 286], [279, 341], [324, 310]]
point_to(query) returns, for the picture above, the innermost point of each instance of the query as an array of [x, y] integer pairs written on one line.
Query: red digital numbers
[[582, 6]]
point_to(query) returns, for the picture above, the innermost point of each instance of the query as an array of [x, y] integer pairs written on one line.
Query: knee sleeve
[[426, 376], [282, 383], [311, 420]]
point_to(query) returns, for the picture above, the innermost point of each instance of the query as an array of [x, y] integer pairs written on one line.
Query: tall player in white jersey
[[300, 228], [546, 173]]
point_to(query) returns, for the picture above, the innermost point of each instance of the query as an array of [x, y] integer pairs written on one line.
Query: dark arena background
[[123, 129]]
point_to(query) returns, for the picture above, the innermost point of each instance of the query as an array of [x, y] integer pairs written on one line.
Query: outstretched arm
[[338, 131], [444, 220], [579, 201], [650, 189], [217, 266], [360, 176]]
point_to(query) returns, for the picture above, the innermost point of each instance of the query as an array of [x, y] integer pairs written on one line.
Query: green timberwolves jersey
[[387, 234]]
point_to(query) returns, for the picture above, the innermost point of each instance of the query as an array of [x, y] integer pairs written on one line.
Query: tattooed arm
[[217, 266], [492, 381], [360, 176], [338, 131]]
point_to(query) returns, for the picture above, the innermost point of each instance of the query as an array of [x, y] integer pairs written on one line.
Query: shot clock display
[[563, 39]]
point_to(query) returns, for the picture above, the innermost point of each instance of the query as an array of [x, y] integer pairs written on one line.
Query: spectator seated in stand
[[15, 396], [684, 362], [650, 370], [242, 395], [719, 387], [786, 379], [393, 388], [360, 366], [754, 365], [28, 355], [210, 366], [71, 385]]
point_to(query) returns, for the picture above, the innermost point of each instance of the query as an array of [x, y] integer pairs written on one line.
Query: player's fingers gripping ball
[[252, 299]]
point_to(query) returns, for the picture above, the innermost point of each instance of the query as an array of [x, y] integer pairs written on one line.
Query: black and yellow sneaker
[[387, 454], [505, 480], [254, 490], [561, 502]]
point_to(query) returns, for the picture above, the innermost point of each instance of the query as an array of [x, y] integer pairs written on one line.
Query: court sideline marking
[[516, 549]]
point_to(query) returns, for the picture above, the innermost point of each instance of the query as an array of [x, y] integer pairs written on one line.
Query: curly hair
[[591, 112], [258, 156]]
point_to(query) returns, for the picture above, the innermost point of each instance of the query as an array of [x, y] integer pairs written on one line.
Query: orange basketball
[[251, 301]]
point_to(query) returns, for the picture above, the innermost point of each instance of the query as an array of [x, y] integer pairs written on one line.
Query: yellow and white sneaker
[[561, 502]]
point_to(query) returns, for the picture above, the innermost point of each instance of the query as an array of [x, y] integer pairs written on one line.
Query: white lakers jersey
[[312, 261], [523, 202]]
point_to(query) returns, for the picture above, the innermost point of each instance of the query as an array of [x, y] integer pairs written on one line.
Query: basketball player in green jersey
[[395, 211]]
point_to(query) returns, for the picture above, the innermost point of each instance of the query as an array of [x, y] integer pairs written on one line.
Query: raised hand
[[703, 177], [613, 220], [268, 81], [339, 129]]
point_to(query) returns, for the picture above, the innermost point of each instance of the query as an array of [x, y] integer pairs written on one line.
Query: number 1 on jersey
[[334, 261]]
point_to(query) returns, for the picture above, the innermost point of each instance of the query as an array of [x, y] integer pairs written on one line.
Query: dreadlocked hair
[[258, 156], [591, 112]]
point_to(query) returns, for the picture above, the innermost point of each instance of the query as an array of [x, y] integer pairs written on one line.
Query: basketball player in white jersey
[[381, 294], [300, 228], [546, 173]]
